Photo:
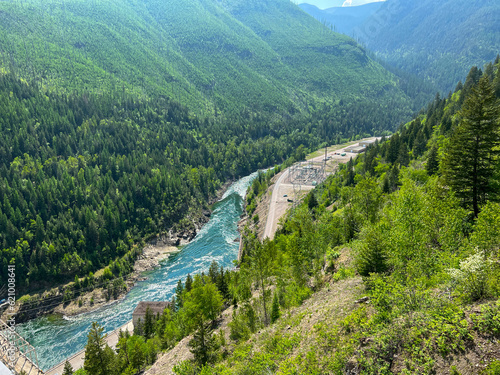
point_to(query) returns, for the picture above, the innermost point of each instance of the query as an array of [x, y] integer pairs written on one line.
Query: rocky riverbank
[[52, 301], [151, 257]]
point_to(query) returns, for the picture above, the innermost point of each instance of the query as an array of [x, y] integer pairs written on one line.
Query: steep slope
[[205, 53], [342, 19], [322, 61], [437, 40], [380, 270]]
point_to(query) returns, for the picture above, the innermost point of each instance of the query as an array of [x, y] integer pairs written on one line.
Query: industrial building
[[154, 307], [356, 149], [367, 143]]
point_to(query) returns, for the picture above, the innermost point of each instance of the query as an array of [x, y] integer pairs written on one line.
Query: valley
[[351, 148]]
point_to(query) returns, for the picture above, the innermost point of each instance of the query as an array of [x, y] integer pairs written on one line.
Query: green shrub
[[492, 369], [371, 254], [471, 280], [239, 330], [343, 273], [488, 322], [185, 368]]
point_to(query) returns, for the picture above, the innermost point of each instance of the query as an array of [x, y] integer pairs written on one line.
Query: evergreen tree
[[393, 150], [189, 283], [148, 324], [469, 164], [312, 201], [489, 71], [222, 284], [394, 177], [213, 272], [251, 317], [275, 310], [386, 185], [432, 165], [68, 369], [349, 179], [473, 78], [139, 328], [173, 304], [419, 145], [97, 357], [496, 82], [179, 291], [403, 157], [371, 255], [203, 345]]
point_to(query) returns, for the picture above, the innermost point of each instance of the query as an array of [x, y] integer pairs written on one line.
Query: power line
[[83, 289]]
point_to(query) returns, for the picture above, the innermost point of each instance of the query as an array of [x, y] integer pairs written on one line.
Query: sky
[[323, 4]]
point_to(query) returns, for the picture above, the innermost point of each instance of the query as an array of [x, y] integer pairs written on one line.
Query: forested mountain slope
[[391, 266], [438, 41], [211, 55], [85, 177], [96, 151]]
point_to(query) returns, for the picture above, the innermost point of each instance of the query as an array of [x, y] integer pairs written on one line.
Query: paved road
[[272, 216]]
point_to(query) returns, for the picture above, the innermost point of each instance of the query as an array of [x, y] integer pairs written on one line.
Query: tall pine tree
[[68, 369], [469, 163], [432, 165], [203, 345], [275, 311], [98, 355], [148, 324]]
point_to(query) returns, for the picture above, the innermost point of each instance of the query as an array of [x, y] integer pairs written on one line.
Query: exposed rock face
[[38, 308], [328, 267], [183, 235], [352, 367], [363, 300]]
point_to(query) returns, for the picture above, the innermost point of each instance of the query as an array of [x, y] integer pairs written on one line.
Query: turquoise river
[[56, 339]]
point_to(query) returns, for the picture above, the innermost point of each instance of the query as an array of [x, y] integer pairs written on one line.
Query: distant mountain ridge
[[324, 4], [342, 19], [213, 55], [438, 41]]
